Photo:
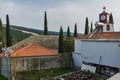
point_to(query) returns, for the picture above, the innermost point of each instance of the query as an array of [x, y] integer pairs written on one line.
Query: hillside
[[17, 35], [20, 33], [37, 31]]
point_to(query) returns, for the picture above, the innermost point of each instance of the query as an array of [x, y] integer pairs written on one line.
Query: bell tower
[[107, 20]]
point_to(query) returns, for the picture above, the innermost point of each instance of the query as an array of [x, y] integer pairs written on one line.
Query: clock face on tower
[[103, 17]]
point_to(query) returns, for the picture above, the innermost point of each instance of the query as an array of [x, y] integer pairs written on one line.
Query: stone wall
[[34, 63], [42, 62], [39, 63]]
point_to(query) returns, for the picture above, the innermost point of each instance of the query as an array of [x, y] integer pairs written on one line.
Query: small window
[[108, 27]]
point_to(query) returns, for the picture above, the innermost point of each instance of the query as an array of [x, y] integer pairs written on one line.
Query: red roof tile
[[81, 37], [32, 50], [104, 35], [1, 54]]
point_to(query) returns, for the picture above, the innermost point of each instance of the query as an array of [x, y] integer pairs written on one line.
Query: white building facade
[[97, 52], [101, 48]]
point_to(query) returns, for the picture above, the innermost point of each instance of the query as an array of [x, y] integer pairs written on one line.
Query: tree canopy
[[8, 33], [75, 30], [61, 41], [45, 24], [111, 18], [91, 29], [68, 32], [86, 27]]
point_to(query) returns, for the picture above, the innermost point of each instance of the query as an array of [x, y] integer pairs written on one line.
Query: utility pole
[[99, 64]]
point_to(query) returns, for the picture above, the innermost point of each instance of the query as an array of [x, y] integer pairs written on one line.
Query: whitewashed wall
[[77, 60], [5, 67], [91, 50], [111, 28]]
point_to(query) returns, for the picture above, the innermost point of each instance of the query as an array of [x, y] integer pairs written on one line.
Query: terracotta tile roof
[[81, 37], [104, 35], [32, 50], [1, 54]]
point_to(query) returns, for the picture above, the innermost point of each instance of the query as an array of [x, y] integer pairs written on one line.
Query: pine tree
[[91, 29], [8, 33], [45, 24], [68, 32], [111, 18], [86, 27], [61, 41], [75, 31]]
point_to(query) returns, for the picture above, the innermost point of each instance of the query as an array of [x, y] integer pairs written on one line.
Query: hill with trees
[[18, 33], [40, 32]]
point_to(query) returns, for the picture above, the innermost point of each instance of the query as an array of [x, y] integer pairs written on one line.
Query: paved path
[[26, 32]]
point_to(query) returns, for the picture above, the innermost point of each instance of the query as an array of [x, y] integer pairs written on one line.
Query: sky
[[30, 13]]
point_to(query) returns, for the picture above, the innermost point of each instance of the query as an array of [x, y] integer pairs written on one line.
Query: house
[[29, 57], [33, 57], [101, 48]]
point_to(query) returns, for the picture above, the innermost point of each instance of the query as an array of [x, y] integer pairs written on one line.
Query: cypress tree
[[8, 33], [68, 32], [61, 41], [111, 19], [86, 27], [45, 24], [1, 35], [75, 31], [91, 29]]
